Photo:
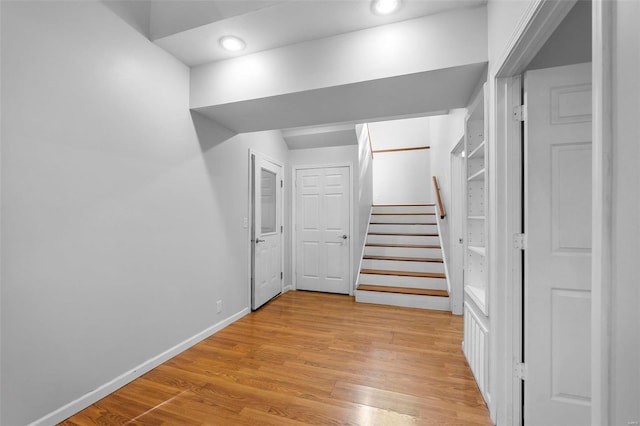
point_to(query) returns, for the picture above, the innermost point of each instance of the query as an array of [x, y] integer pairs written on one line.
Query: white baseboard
[[86, 400], [287, 288]]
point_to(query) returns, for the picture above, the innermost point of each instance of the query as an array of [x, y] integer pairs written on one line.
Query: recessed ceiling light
[[232, 43], [384, 7]]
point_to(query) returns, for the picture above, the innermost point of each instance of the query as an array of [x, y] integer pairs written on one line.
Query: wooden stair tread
[[403, 235], [430, 246], [404, 290], [404, 214], [403, 223], [404, 205], [404, 259], [402, 273]]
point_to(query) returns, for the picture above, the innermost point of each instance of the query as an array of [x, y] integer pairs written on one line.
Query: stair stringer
[[364, 246]]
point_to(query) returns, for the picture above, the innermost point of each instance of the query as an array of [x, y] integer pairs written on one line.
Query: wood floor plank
[[309, 359]]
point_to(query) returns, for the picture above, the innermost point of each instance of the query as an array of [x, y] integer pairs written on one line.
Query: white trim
[[251, 224], [457, 222], [510, 321], [602, 221], [294, 171], [364, 245], [111, 386]]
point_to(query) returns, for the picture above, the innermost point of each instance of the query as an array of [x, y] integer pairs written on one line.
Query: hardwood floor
[[309, 358]]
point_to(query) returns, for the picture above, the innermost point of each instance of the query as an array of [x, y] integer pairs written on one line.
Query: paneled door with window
[[267, 230]]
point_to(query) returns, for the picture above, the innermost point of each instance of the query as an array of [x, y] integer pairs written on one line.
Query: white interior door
[[558, 256], [322, 229], [267, 231]]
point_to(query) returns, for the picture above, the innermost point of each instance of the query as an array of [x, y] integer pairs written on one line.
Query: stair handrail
[[443, 213], [410, 148]]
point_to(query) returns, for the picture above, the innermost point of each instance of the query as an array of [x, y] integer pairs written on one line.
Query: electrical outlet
[[219, 306]]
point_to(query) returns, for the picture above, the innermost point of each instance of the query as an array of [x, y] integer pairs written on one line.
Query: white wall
[[503, 19], [118, 232], [326, 157], [450, 39], [404, 176], [445, 133], [405, 133]]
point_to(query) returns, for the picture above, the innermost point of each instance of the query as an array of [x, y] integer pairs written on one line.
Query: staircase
[[402, 263]]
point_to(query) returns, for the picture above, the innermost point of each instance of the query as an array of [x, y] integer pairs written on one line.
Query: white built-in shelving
[[476, 287], [477, 324]]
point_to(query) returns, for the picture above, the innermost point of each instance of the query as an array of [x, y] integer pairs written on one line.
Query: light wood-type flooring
[[309, 358]]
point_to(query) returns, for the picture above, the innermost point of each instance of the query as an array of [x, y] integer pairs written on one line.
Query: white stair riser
[[403, 218], [397, 265], [403, 209], [405, 300], [404, 229], [402, 251], [402, 239], [398, 281]]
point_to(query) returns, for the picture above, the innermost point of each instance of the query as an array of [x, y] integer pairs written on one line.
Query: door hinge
[[520, 241], [281, 275], [520, 113], [281, 229], [281, 183], [520, 370]]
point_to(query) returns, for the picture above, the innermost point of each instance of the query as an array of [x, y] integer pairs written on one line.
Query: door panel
[[322, 222], [267, 222], [558, 255]]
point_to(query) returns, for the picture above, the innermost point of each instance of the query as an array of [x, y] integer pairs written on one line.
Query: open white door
[[267, 231], [322, 229], [557, 307]]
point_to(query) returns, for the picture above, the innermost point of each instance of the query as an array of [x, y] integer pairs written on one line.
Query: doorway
[[323, 246], [266, 230], [544, 336]]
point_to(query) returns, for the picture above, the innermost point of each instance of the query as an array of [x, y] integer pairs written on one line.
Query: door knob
[[344, 237], [258, 240]]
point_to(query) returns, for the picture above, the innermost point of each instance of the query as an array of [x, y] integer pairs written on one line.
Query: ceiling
[[191, 30], [324, 117]]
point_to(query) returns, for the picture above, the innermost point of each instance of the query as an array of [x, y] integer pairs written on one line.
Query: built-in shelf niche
[[477, 324], [476, 286]]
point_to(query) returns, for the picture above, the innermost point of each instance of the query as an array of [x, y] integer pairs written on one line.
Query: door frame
[[251, 221], [294, 223], [505, 212], [458, 224]]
